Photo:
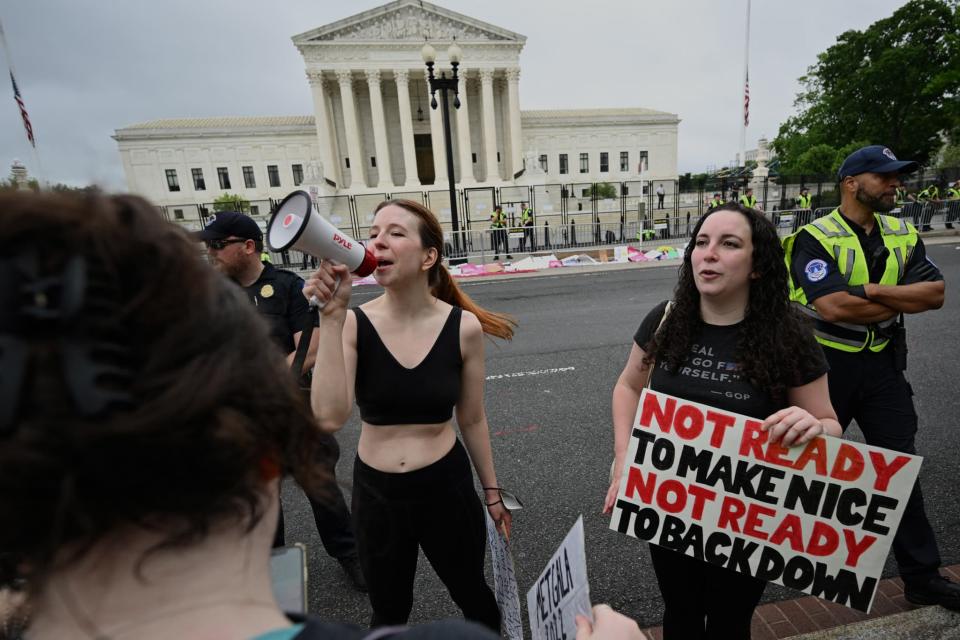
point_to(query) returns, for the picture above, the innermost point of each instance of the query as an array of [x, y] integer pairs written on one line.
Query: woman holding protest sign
[[730, 339], [412, 357]]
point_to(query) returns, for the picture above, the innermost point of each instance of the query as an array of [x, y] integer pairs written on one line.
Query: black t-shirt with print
[[709, 374]]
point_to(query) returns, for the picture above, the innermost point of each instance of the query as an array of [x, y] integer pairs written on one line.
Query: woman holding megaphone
[[412, 357]]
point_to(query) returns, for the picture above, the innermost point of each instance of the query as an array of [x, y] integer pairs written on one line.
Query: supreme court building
[[372, 131]]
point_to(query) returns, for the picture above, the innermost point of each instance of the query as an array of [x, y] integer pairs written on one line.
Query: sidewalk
[[891, 618], [930, 238]]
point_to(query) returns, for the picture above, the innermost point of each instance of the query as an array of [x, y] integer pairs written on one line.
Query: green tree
[[895, 83], [818, 160], [950, 156], [231, 202], [600, 190]]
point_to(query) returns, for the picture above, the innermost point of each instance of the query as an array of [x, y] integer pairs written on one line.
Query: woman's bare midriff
[[404, 447]]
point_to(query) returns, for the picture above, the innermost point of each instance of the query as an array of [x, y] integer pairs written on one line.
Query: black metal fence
[[601, 213]]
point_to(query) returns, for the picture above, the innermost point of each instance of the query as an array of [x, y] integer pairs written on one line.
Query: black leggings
[[703, 601], [434, 508]]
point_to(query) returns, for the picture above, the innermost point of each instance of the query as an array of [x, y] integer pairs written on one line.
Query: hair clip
[[78, 308]]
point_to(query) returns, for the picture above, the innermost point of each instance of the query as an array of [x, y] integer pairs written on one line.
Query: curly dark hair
[[211, 415], [773, 336]]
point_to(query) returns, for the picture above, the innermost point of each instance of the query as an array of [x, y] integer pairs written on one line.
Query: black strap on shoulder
[[302, 347]]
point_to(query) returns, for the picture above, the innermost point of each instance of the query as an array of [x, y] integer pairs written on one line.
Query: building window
[[224, 176], [373, 161], [178, 214], [273, 175], [644, 162], [297, 175], [584, 163], [604, 162], [498, 156], [254, 210], [563, 163], [624, 161], [198, 182], [474, 158], [248, 180], [543, 163], [172, 183], [347, 162]]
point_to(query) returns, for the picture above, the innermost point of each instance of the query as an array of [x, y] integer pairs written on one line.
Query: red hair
[[442, 284]]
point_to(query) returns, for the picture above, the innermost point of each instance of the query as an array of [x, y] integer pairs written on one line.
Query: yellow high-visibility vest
[[832, 231]]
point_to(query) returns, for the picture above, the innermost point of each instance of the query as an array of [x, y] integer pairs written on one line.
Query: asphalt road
[[548, 402]]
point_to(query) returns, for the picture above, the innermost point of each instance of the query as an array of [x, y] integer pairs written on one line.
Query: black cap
[[875, 159], [224, 224]]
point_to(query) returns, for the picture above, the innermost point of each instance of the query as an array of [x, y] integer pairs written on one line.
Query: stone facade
[[372, 129]]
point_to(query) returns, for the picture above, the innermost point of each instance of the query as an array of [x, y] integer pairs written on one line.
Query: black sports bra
[[388, 393]]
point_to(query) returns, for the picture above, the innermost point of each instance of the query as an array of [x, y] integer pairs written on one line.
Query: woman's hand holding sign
[[793, 426]]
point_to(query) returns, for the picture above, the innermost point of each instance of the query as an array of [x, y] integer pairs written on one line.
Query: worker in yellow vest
[[748, 199], [804, 200], [953, 203], [854, 272], [526, 221], [929, 197], [716, 201], [498, 226]]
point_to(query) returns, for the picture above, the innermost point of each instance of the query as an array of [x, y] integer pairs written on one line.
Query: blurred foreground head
[[138, 387]]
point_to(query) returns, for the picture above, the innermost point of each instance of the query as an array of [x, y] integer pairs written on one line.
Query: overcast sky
[[87, 68]]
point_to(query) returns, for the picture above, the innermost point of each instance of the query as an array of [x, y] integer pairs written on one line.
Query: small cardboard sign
[[505, 583], [562, 591]]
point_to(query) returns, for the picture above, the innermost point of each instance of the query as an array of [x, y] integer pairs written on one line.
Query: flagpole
[[41, 180], [746, 84]]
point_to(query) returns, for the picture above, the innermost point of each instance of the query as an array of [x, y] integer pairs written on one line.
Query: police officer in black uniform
[[856, 271], [234, 243]]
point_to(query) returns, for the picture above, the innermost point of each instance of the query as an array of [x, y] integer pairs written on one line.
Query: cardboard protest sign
[[818, 518], [505, 583], [561, 592]]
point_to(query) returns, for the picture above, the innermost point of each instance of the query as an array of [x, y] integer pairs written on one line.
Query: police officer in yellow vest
[[855, 271], [498, 223], [929, 197], [526, 221], [953, 204], [748, 199], [715, 202], [804, 200]]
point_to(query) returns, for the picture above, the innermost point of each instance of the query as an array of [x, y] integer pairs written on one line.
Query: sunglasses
[[219, 245]]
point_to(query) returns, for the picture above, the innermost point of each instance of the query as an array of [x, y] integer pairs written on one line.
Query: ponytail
[[440, 281], [443, 287]]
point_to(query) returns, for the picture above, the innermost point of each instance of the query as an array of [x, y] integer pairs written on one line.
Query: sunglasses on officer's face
[[219, 245]]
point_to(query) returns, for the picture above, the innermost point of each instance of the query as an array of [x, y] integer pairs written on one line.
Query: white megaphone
[[296, 225]]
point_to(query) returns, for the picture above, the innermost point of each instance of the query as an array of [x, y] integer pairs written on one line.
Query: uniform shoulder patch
[[816, 270]]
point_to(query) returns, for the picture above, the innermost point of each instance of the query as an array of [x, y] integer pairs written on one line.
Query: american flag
[[23, 111], [746, 101]]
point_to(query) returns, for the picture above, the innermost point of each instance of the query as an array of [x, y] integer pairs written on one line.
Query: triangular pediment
[[408, 20]]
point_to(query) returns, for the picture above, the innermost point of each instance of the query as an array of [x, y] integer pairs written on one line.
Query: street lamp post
[[443, 84]]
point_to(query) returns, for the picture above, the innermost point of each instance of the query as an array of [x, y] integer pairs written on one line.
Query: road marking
[[537, 372]]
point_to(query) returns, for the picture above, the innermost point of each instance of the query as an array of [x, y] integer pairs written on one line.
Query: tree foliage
[[600, 190], [231, 202], [896, 83]]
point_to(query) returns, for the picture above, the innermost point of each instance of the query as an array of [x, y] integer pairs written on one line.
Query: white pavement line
[[538, 372]]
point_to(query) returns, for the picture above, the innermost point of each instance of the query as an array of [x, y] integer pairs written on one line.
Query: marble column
[[463, 135], [326, 139], [436, 137], [516, 137], [489, 126], [406, 128], [354, 150], [384, 174]]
